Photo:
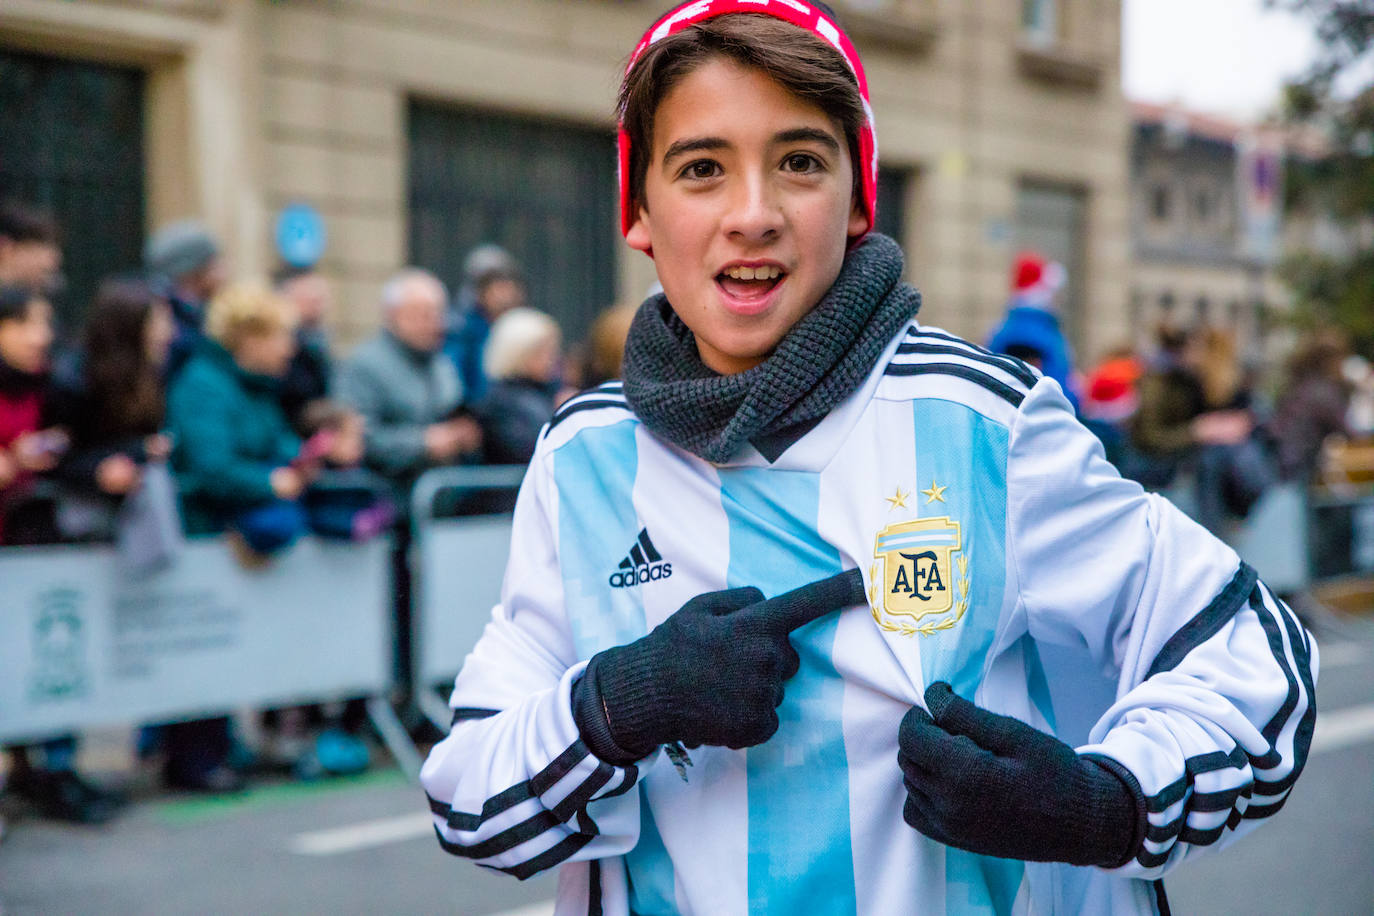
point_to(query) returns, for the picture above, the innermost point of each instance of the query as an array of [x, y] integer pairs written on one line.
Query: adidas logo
[[643, 564]]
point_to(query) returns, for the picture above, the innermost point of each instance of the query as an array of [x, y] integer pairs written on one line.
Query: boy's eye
[[701, 169], [801, 162]]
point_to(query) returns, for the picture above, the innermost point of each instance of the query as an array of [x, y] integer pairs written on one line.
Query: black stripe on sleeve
[[1207, 622], [1258, 812], [1201, 837], [559, 852], [464, 713], [546, 859], [626, 784], [1194, 767], [1210, 802], [1007, 364], [562, 765], [1302, 735], [575, 406], [1153, 859], [537, 823], [967, 373], [1256, 788], [1274, 727], [941, 335], [540, 783]]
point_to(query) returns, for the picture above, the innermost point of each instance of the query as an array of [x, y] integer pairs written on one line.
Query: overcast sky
[[1226, 57]]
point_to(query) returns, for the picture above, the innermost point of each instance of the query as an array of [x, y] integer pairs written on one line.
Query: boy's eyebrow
[[694, 145], [794, 135], [805, 134]]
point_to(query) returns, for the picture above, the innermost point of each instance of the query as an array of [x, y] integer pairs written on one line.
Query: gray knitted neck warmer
[[820, 362]]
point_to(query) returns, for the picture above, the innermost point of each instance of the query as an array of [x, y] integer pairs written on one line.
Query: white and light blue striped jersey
[[1001, 553]]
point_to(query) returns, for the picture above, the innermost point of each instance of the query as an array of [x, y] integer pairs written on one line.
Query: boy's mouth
[[750, 284]]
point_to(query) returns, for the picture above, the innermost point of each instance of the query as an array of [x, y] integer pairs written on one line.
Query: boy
[[783, 420]]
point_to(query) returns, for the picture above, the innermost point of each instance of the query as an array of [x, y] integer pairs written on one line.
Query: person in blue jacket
[[1031, 330]]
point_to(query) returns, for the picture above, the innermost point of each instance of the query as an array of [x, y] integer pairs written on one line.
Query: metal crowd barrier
[[1273, 538], [456, 567], [85, 645], [1342, 532], [1295, 536]]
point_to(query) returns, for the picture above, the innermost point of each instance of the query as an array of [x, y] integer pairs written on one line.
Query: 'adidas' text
[[642, 564]]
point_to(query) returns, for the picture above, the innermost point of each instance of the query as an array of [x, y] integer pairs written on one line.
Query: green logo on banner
[[59, 646]]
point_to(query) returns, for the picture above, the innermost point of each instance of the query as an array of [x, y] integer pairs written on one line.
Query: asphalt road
[[364, 846]]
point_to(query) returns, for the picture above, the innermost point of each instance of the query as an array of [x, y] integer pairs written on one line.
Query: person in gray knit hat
[[183, 262]]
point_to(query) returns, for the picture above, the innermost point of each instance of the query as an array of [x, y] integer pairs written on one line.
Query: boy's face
[[24, 342], [745, 178]]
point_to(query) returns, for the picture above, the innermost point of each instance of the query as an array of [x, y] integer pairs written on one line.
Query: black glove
[[996, 786], [711, 673]]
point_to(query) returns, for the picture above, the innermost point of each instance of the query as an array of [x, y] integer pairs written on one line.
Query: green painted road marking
[[188, 810]]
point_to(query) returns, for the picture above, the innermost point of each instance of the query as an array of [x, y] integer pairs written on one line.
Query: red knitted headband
[[797, 12]]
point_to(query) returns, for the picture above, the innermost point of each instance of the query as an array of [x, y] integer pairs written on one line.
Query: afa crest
[[924, 584]]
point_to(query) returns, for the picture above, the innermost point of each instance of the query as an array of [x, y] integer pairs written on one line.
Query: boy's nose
[[755, 213]]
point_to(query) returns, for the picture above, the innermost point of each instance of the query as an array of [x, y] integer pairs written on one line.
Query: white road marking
[[364, 835], [533, 909], [1342, 728]]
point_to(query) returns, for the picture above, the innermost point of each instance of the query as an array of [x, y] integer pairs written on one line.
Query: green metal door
[[543, 190], [71, 141]]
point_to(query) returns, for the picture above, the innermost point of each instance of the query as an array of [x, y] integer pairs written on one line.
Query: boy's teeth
[[753, 273]]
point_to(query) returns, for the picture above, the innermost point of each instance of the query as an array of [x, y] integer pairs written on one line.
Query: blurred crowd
[[1191, 414], [190, 402]]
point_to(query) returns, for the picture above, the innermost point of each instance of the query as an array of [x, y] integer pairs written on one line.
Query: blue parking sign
[[300, 235]]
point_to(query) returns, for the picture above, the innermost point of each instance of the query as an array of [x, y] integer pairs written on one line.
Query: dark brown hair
[[801, 62], [22, 223], [1319, 355], [126, 387]]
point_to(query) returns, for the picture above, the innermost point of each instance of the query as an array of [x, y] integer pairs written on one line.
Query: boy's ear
[[638, 237], [859, 223]]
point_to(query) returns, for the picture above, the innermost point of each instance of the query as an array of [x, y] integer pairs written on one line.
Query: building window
[[1050, 220], [1202, 206], [53, 112], [893, 184], [1166, 302], [543, 190], [1203, 308], [1160, 200], [1040, 20]]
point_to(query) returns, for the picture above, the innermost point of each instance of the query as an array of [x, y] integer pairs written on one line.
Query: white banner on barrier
[[82, 646], [462, 562]]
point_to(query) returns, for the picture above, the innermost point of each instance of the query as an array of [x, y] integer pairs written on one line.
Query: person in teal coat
[[235, 453]]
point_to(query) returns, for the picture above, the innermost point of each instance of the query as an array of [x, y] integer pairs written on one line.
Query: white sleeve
[[513, 786], [1215, 700]]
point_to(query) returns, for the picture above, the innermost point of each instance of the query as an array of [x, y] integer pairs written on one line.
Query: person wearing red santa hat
[[1031, 329]]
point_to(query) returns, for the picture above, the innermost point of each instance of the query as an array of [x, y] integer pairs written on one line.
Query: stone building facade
[[1194, 180], [416, 127]]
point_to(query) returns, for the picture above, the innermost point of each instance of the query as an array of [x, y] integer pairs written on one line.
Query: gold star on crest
[[935, 492], [898, 501]]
